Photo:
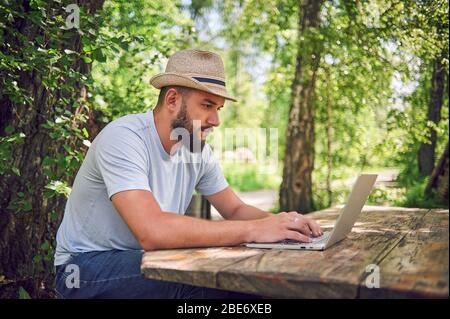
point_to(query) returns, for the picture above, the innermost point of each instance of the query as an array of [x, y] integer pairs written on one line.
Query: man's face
[[203, 108]]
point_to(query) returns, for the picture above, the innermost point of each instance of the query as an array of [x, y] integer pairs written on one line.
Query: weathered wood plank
[[334, 273], [192, 266], [338, 272], [418, 266]]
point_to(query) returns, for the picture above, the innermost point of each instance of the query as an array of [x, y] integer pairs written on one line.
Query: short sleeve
[[211, 180], [121, 159]]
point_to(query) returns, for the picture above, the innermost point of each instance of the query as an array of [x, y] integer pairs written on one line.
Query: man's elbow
[[151, 237], [149, 244], [152, 241]]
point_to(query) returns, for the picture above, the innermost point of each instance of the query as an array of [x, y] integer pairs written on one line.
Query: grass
[[248, 177]]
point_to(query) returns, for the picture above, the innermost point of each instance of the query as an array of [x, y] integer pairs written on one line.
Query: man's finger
[[301, 226], [307, 230], [295, 235], [314, 227]]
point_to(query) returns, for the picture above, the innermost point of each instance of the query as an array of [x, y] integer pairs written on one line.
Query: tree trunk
[[329, 137], [235, 62], [426, 154], [439, 178], [29, 218], [296, 187]]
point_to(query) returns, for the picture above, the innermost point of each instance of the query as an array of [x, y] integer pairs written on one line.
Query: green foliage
[[45, 253], [52, 60], [374, 76], [134, 39], [415, 197], [43, 85], [247, 177], [7, 144], [20, 203], [59, 188], [415, 184], [131, 39], [23, 294]]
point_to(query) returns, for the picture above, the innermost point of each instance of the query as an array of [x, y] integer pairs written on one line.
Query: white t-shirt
[[128, 154]]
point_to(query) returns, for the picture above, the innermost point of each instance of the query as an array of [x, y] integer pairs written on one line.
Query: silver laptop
[[343, 225]]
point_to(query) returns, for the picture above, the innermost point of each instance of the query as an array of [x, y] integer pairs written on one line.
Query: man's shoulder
[[122, 133], [131, 123], [134, 122], [208, 154]]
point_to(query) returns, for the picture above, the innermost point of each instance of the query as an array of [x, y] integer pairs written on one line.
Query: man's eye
[[208, 106]]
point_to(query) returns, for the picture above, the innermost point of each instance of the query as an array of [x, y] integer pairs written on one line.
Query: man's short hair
[[184, 91]]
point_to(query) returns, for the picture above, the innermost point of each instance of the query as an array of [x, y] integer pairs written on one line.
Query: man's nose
[[214, 119]]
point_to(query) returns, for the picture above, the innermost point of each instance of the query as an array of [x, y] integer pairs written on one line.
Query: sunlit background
[[372, 88]]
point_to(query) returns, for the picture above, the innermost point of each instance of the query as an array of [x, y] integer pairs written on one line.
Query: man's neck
[[163, 127]]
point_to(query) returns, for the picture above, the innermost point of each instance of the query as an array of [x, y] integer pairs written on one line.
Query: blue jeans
[[117, 274]]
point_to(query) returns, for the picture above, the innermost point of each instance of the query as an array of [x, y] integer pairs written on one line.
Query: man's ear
[[171, 100]]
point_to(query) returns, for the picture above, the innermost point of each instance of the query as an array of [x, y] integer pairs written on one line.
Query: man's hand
[[291, 225]]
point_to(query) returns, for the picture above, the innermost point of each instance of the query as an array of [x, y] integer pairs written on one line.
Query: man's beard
[[183, 121]]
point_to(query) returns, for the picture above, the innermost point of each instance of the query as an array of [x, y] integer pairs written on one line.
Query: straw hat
[[201, 70]]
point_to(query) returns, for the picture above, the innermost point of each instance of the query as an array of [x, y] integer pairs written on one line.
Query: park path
[[265, 199]]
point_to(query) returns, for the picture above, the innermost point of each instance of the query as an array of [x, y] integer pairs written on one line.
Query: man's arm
[[231, 207], [155, 229]]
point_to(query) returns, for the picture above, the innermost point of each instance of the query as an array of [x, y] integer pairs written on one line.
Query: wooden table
[[410, 246]]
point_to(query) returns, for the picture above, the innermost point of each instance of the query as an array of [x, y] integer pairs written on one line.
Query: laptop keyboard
[[314, 240]]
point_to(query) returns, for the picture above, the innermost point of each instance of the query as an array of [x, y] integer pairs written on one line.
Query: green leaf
[[23, 294], [54, 216], [47, 161], [87, 48], [47, 125], [54, 135], [67, 51], [37, 259], [98, 55], [9, 129], [87, 59], [15, 170], [27, 206], [85, 132], [124, 45], [59, 120], [45, 245], [59, 187], [67, 148]]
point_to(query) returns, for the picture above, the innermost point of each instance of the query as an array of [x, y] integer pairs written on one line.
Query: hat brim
[[167, 79]]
